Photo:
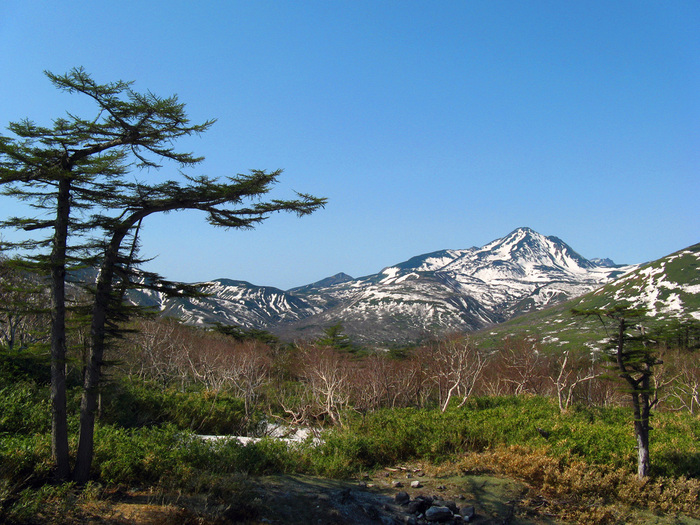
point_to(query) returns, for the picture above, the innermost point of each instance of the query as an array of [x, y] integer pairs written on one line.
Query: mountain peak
[[338, 278], [604, 263], [530, 249]]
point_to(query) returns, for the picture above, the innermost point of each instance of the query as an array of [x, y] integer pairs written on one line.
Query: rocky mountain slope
[[426, 296]]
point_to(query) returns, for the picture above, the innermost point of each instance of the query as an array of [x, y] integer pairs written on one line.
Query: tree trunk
[[641, 430], [59, 421], [640, 405], [98, 333], [642, 410]]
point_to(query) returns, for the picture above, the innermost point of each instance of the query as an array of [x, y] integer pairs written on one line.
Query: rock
[[371, 512], [452, 506], [416, 484], [420, 505], [467, 513], [402, 498], [439, 514], [396, 484]]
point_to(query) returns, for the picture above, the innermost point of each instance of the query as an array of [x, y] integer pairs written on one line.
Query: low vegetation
[[555, 421]]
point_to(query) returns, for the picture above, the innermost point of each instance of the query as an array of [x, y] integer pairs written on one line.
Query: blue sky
[[427, 125]]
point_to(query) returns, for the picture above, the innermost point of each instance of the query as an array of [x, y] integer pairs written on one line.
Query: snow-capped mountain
[[668, 289], [426, 296], [240, 303]]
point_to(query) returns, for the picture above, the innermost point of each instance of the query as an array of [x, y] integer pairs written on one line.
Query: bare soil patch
[[309, 500]]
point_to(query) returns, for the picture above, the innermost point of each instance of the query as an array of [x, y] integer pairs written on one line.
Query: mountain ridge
[[426, 296]]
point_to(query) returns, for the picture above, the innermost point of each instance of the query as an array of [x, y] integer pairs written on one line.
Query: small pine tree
[[335, 337], [633, 357]]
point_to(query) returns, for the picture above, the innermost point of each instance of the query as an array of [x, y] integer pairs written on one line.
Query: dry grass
[[594, 494]]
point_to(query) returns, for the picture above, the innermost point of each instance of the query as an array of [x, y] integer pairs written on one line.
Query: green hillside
[[669, 288]]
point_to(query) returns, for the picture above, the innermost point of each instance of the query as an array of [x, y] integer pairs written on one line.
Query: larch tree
[[74, 175], [633, 356]]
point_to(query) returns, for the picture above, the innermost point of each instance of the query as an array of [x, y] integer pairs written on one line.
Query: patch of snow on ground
[[407, 276], [648, 291], [691, 288], [390, 273], [673, 304], [280, 432], [681, 254]]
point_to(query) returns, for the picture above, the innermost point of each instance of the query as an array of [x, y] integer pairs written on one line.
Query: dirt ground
[[369, 500], [307, 500]]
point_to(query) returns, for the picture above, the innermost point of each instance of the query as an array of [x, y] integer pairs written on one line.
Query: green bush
[[132, 404], [25, 459], [24, 409], [602, 436], [127, 456], [31, 364], [167, 456]]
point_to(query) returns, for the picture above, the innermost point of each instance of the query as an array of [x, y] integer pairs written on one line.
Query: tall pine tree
[[74, 175]]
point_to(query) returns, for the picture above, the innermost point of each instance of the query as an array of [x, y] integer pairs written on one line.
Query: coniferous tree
[[633, 357], [335, 337], [74, 172]]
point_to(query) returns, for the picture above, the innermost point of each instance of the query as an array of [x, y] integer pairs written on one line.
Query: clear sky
[[428, 125]]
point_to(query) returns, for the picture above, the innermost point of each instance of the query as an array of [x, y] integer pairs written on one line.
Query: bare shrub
[[570, 372], [457, 366], [518, 367], [169, 352], [325, 375], [685, 387], [23, 316]]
